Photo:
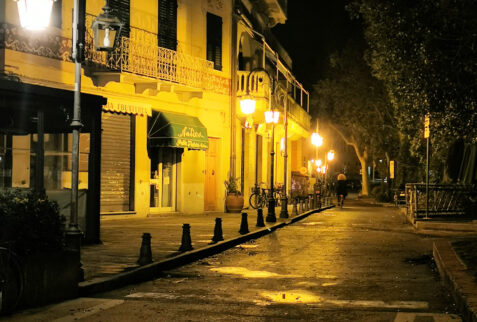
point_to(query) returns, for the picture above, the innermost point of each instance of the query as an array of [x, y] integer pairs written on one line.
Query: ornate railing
[[137, 55], [444, 200]]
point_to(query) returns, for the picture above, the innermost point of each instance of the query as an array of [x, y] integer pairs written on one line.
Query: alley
[[359, 263]]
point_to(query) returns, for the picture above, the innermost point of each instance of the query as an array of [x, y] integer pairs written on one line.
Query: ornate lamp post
[[108, 28], [272, 117]]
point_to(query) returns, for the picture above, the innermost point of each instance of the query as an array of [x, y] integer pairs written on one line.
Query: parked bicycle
[[259, 196], [11, 281]]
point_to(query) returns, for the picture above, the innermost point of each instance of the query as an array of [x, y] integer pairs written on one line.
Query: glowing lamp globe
[[34, 14], [272, 116], [331, 155], [247, 105], [316, 139]]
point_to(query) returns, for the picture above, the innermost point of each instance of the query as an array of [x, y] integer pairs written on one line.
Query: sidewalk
[[114, 262]]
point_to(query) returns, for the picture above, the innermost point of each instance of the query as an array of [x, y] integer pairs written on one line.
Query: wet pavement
[[360, 263]]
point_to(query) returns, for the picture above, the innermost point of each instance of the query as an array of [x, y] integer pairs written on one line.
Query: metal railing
[[444, 200]]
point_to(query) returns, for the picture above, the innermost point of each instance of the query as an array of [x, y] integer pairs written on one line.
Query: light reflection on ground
[[291, 296], [244, 272]]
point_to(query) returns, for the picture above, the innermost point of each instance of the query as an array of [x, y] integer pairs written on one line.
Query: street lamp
[[34, 14], [106, 30], [271, 117], [102, 22], [331, 155]]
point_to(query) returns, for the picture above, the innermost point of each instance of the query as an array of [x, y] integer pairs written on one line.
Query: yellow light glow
[[331, 155], [318, 169], [282, 144], [316, 139], [244, 272], [292, 296], [247, 105], [272, 117], [318, 162], [34, 14]]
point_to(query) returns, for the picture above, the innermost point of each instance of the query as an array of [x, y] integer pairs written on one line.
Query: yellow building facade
[[162, 125]]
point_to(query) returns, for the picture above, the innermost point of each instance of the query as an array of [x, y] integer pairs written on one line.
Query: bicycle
[[11, 281], [259, 197]]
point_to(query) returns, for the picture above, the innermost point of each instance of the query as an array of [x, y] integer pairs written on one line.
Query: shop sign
[[126, 107]]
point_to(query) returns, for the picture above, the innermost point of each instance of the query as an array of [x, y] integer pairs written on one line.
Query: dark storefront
[[35, 147]]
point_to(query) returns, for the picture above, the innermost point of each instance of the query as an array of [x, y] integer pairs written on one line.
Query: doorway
[[211, 172], [163, 180]]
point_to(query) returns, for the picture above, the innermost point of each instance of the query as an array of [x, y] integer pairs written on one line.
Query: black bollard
[[186, 240], [145, 254], [244, 224], [260, 222], [217, 231], [295, 209]]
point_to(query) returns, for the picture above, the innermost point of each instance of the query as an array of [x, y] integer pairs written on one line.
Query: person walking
[[341, 189]]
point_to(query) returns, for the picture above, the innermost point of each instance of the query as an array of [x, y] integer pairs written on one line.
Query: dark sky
[[314, 29]]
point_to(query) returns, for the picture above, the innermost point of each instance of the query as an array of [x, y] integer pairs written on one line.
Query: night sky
[[314, 29]]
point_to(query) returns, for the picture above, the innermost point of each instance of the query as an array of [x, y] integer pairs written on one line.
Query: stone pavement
[[114, 262]]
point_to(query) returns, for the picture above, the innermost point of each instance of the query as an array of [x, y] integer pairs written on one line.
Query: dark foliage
[[29, 222]]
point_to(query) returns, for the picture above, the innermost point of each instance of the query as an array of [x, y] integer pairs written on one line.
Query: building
[[162, 127]]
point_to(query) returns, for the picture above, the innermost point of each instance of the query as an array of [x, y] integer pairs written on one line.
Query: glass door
[[163, 181]]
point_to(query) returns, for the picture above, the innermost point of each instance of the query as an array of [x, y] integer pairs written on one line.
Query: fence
[[444, 200]]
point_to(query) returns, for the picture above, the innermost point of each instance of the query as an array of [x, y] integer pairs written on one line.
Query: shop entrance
[[163, 180]]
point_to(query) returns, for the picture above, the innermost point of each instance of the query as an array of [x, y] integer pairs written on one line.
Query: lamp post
[[271, 117], [284, 200], [106, 29]]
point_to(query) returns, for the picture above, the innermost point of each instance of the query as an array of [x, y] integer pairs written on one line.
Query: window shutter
[[167, 24], [214, 40], [121, 8]]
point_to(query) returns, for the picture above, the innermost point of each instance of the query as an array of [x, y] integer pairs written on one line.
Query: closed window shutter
[[121, 8], [214, 40], [167, 24]]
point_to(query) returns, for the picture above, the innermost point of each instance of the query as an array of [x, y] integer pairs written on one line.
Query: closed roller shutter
[[115, 162]]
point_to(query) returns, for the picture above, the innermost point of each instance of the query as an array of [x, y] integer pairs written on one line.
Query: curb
[[150, 271], [454, 275]]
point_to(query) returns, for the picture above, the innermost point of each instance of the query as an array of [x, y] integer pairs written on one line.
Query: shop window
[[167, 24], [18, 158], [214, 40]]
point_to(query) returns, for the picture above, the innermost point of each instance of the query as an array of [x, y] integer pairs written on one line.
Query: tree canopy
[[424, 52]]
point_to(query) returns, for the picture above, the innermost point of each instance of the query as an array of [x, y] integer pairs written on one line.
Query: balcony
[[137, 59], [259, 88]]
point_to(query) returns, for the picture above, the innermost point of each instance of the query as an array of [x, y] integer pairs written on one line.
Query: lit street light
[[34, 15]]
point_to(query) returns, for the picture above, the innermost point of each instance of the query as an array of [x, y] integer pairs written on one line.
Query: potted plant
[[234, 199]]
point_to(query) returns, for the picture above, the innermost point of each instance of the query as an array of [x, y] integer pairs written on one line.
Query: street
[[359, 263]]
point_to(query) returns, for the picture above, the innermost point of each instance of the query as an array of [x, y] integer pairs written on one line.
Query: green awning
[[167, 129]]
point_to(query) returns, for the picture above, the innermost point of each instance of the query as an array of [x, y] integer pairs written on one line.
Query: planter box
[[49, 277]]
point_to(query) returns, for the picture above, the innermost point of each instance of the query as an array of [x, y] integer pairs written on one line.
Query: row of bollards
[[300, 205]]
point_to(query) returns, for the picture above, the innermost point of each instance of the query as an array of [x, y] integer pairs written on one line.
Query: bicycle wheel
[[255, 201], [11, 281]]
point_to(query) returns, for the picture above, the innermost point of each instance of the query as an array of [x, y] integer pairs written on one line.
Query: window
[[121, 10], [214, 40], [167, 24]]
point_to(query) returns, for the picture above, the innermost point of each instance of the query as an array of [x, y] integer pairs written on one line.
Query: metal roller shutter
[[115, 162]]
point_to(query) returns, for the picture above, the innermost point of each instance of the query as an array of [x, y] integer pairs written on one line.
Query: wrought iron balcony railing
[[137, 55]]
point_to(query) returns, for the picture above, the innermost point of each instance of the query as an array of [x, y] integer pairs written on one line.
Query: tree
[[424, 52], [356, 106]]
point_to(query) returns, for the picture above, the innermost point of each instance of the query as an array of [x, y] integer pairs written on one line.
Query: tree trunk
[[362, 157], [364, 173]]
